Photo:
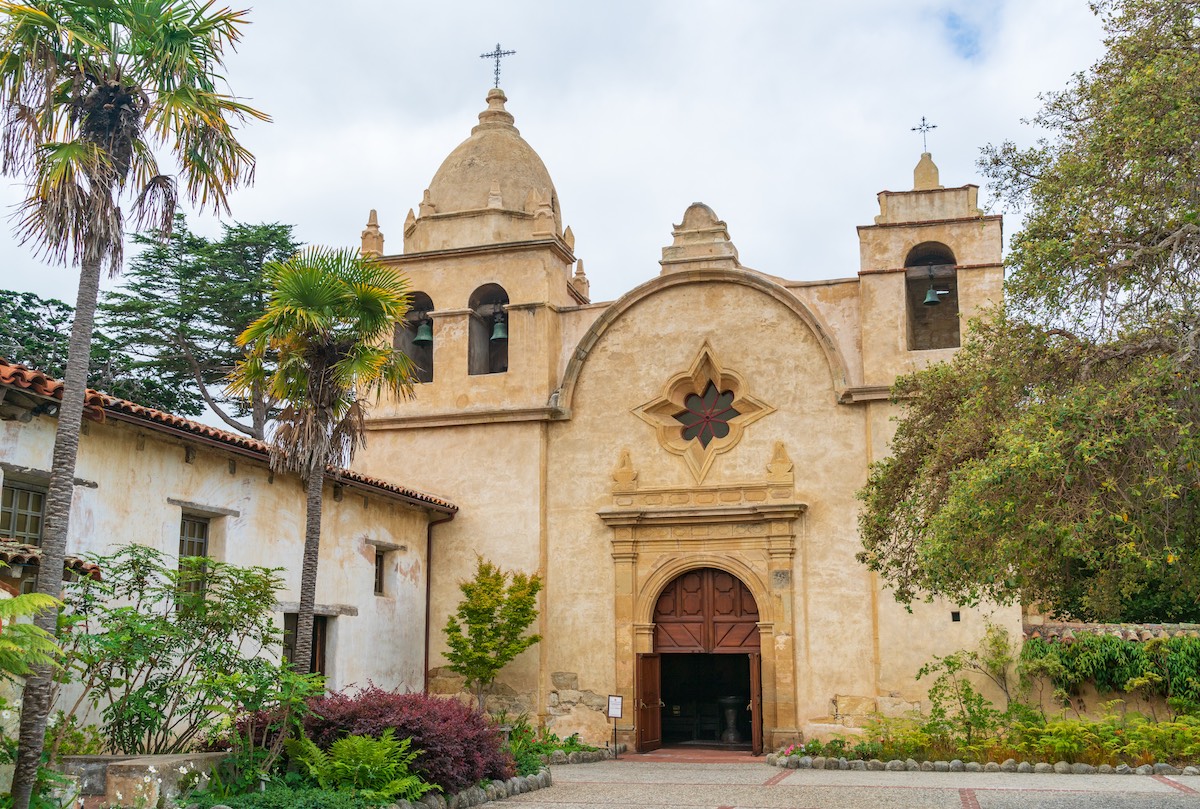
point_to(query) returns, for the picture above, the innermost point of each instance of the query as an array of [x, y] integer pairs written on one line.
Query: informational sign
[[614, 706]]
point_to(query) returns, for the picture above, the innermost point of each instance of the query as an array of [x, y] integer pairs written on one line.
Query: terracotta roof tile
[[102, 404], [39, 384], [19, 553]]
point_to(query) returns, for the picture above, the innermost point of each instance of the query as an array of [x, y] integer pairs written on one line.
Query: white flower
[[183, 770], [151, 769], [146, 779]]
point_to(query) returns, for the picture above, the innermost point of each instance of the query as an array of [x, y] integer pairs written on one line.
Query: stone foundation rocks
[[1009, 765]]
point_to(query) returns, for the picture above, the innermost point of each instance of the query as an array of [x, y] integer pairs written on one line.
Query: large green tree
[[93, 93], [1056, 459], [185, 300], [36, 332], [322, 348]]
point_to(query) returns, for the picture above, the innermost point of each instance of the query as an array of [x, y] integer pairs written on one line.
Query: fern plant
[[376, 769], [23, 645]]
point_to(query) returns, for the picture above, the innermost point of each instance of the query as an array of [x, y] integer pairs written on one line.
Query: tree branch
[[197, 374]]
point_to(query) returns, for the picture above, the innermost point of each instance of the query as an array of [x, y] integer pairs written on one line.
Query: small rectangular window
[[379, 568], [320, 630], [193, 541], [22, 509]]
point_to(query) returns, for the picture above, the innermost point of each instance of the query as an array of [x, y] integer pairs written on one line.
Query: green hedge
[[1165, 667]]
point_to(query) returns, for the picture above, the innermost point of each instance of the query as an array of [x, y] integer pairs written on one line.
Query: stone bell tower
[[930, 262]]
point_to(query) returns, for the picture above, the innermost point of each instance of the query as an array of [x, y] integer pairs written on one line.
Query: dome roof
[[494, 168]]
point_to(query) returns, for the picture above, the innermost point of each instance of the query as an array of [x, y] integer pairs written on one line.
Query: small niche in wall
[[955, 616]]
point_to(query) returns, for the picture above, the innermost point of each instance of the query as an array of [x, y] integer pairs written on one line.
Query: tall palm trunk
[[302, 659], [35, 699]]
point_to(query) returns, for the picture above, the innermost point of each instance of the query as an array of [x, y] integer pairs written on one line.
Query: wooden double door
[[703, 611]]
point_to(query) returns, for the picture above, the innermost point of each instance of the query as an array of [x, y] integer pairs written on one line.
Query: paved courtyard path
[[728, 781]]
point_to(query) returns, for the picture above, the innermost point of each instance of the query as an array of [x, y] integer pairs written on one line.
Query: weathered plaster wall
[[137, 474]]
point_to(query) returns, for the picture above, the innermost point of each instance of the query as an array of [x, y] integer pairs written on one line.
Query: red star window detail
[[707, 416]]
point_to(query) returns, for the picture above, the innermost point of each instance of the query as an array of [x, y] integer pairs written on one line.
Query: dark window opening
[[193, 541], [379, 570], [414, 336], [487, 350], [955, 616], [22, 510], [707, 416], [931, 292], [320, 633]]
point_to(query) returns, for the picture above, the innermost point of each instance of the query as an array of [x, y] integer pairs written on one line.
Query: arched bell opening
[[414, 335], [931, 292], [706, 650], [488, 341]]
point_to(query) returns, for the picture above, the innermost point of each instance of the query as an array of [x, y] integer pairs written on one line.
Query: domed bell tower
[[490, 265]]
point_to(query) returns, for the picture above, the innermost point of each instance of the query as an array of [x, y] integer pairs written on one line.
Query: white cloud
[[785, 117]]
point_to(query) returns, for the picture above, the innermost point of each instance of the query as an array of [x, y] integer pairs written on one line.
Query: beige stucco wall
[[137, 472]]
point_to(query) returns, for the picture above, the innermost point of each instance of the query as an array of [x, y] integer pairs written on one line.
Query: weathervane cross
[[497, 54], [923, 128]]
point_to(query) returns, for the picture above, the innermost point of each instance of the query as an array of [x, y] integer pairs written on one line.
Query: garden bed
[[795, 762]]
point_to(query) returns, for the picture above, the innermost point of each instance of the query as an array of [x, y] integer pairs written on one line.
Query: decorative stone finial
[[779, 470], [427, 207], [372, 238], [624, 476], [579, 281], [543, 217], [925, 175], [569, 239], [410, 222], [700, 239], [495, 200], [495, 116]]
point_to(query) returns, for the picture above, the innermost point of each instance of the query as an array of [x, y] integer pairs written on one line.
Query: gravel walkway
[[640, 782]]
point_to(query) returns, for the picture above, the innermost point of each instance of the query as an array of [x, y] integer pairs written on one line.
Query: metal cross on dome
[[497, 54], [923, 128]]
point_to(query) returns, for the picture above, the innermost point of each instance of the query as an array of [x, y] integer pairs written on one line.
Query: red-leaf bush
[[462, 746]]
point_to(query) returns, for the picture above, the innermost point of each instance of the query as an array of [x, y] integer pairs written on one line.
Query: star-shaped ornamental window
[[707, 417], [702, 412]]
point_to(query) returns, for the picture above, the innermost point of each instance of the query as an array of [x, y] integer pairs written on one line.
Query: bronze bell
[[499, 330], [424, 335], [932, 298]]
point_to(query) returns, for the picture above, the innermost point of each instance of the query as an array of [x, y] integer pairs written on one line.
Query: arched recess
[[706, 610], [931, 296], [487, 348], [414, 335], [838, 370]]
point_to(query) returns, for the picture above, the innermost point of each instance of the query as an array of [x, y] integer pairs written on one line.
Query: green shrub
[[377, 769], [528, 746]]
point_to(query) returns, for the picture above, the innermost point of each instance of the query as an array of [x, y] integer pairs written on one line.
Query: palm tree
[[89, 90], [322, 347]]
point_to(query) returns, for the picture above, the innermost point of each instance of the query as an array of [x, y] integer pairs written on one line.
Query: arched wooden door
[[706, 610], [703, 611]]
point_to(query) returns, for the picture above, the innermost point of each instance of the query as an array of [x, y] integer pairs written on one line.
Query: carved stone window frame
[[661, 411]]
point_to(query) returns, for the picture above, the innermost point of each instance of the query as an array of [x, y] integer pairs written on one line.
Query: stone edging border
[[1011, 765], [477, 795]]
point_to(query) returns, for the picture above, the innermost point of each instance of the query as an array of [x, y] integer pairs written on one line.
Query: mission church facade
[[685, 489]]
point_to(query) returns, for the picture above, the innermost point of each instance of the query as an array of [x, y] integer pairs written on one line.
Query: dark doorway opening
[[705, 696]]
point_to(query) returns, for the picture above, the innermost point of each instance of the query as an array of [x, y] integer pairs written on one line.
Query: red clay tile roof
[[100, 404], [18, 553], [39, 384], [1068, 631]]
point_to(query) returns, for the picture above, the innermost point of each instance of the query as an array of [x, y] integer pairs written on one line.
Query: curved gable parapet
[[838, 370]]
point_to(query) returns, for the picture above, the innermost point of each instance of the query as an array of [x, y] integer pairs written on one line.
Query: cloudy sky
[[785, 116]]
